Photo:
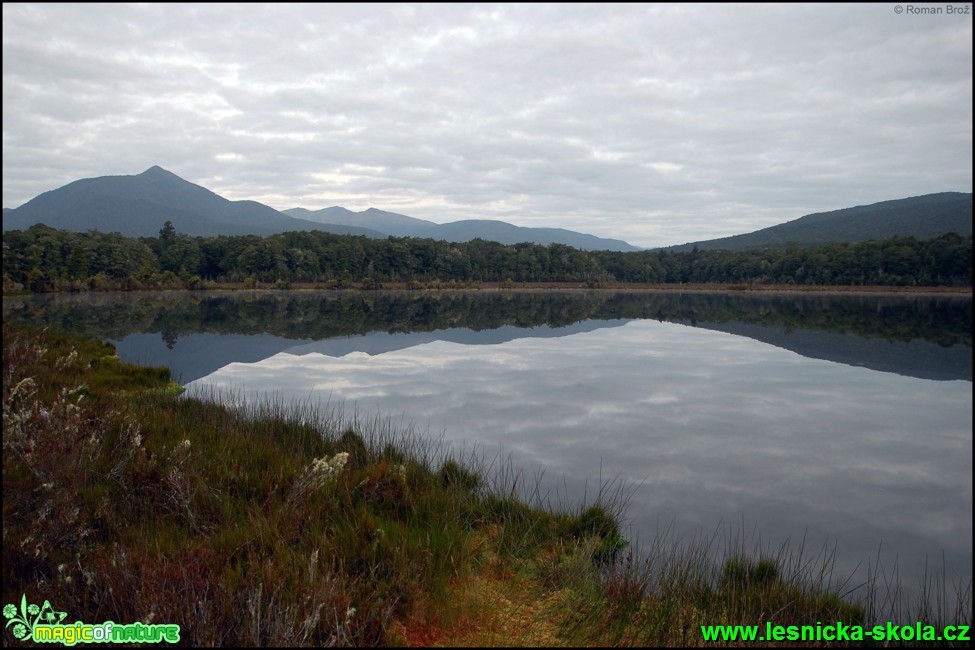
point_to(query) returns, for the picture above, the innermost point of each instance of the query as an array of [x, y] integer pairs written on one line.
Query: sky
[[658, 124]]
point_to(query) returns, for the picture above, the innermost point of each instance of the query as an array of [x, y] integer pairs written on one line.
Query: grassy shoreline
[[257, 524], [542, 286]]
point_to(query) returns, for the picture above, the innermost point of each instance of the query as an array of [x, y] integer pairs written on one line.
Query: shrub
[[596, 521], [453, 475], [742, 573]]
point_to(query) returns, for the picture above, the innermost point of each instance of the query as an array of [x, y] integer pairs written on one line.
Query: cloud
[[658, 124]]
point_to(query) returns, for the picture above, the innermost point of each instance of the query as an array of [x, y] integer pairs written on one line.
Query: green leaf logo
[[30, 615]]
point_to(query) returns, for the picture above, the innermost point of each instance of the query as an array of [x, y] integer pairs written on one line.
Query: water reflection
[[802, 415], [707, 427], [195, 334]]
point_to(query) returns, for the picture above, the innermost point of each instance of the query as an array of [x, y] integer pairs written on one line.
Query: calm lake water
[[839, 420]]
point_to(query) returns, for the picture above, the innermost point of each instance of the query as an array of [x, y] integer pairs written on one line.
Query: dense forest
[[42, 259]]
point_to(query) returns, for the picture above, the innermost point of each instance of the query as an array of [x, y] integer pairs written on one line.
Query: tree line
[[43, 259]]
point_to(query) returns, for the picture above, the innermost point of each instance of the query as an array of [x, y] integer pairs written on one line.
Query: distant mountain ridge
[[923, 217], [401, 225], [139, 205], [391, 223]]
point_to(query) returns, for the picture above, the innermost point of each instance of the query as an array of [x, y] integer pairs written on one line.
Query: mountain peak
[[156, 170]]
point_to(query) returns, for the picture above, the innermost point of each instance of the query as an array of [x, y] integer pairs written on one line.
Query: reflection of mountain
[[916, 358], [380, 342], [915, 335], [197, 355]]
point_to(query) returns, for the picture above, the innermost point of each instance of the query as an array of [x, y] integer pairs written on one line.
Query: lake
[[824, 420]]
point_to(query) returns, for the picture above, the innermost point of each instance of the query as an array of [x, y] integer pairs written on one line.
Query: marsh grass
[[254, 522]]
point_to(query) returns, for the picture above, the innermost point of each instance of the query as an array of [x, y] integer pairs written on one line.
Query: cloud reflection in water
[[708, 427]]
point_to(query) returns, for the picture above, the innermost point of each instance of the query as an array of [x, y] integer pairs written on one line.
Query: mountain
[[924, 217], [138, 206], [400, 225], [507, 233], [397, 225]]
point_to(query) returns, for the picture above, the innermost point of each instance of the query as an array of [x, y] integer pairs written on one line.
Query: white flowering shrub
[[321, 471]]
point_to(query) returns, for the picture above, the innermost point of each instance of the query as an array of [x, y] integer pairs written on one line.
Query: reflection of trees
[[169, 338], [945, 320]]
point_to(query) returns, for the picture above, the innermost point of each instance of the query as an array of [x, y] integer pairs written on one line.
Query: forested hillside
[[43, 259], [924, 217]]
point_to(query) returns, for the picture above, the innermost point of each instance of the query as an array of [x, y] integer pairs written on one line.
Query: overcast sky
[[654, 123]]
